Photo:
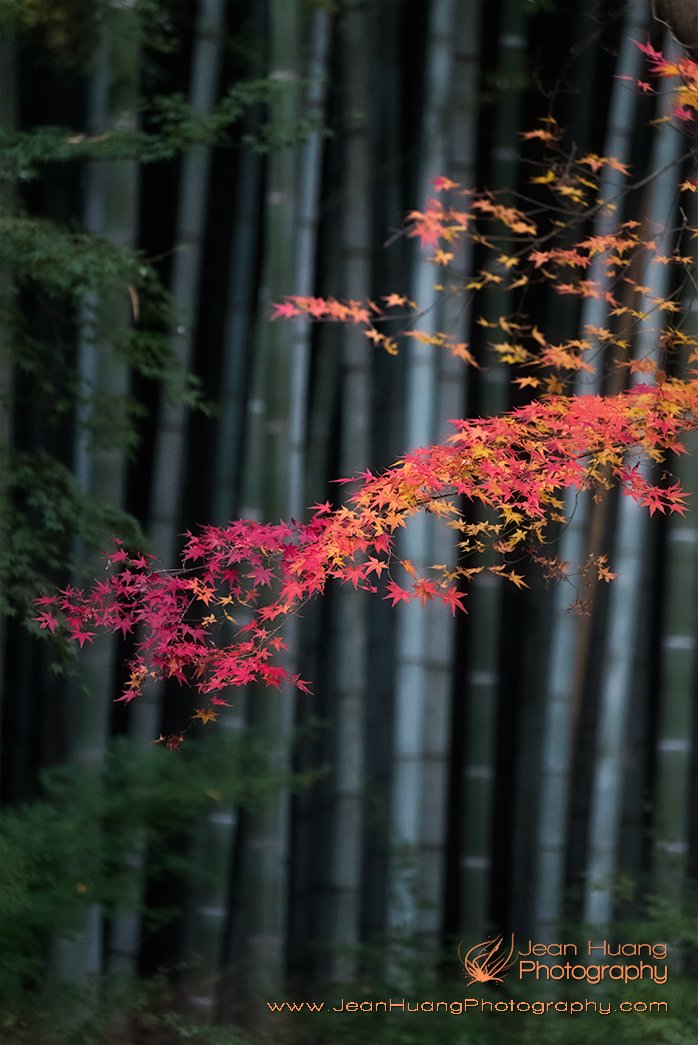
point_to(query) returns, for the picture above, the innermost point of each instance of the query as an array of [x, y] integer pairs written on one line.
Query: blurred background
[[169, 169]]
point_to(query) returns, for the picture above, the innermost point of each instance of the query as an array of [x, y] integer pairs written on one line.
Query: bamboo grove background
[[522, 768]]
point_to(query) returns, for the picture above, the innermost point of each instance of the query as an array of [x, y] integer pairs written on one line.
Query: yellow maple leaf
[[543, 179], [527, 382], [442, 257], [572, 192], [205, 715], [510, 353], [516, 578], [553, 386]]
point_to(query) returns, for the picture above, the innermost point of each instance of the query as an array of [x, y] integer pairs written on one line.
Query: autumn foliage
[[217, 621]]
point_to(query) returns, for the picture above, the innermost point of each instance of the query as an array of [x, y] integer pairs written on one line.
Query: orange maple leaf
[[540, 133]]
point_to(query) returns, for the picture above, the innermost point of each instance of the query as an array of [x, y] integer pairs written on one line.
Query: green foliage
[[67, 262], [176, 127], [70, 849], [66, 274], [42, 514], [43, 511]]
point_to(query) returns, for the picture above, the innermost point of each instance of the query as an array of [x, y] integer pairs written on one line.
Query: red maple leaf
[[396, 593]]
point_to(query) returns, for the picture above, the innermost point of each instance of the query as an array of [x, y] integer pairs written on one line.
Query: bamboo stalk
[[424, 637], [229, 459], [111, 207], [164, 510], [485, 602], [267, 836], [672, 804], [621, 638], [453, 382], [674, 746], [558, 710], [349, 671], [671, 814]]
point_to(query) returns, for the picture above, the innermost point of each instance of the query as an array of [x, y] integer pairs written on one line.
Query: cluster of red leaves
[[247, 577]]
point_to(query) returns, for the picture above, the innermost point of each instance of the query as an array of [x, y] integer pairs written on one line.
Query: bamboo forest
[[349, 544]]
